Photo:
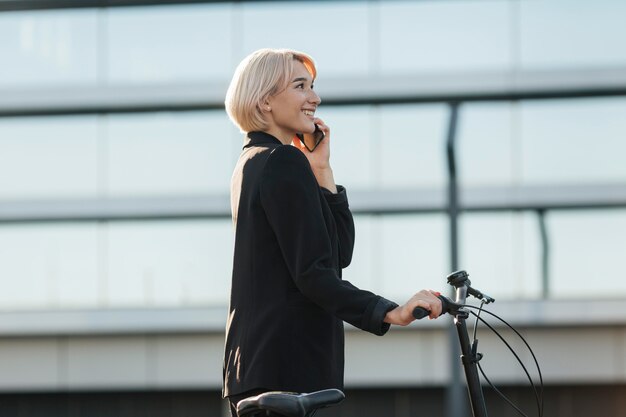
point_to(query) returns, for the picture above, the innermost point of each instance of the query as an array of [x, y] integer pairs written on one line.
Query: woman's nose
[[315, 98]]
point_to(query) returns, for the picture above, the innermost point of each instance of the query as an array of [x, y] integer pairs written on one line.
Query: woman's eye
[[300, 86]]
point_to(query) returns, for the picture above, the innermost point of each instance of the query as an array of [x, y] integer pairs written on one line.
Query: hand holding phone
[[311, 140], [320, 159]]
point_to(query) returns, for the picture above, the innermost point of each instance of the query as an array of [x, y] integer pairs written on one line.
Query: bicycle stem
[[469, 355]]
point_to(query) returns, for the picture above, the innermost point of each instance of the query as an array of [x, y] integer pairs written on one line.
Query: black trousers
[[234, 399]]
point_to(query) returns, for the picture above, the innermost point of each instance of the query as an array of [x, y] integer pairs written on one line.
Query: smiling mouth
[[308, 112]]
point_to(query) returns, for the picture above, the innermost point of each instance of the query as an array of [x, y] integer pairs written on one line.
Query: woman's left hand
[[427, 299]]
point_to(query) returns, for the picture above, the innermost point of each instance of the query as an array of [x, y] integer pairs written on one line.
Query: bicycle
[[306, 405]]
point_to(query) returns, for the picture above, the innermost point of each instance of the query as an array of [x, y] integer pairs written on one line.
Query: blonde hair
[[260, 75]]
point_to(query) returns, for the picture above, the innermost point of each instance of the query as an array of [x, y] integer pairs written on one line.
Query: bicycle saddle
[[289, 404]]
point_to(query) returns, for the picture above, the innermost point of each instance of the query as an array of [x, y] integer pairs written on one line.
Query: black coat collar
[[260, 139]]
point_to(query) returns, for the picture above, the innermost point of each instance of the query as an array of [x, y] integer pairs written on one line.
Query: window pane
[[574, 141], [48, 47], [396, 256], [502, 253], [143, 264], [566, 33], [413, 254], [432, 36], [312, 28], [587, 252], [173, 263], [487, 153], [170, 153], [49, 266], [362, 271], [412, 147], [166, 43], [49, 157], [353, 145]]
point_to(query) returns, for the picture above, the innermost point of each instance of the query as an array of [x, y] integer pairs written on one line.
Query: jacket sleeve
[[291, 200], [338, 204]]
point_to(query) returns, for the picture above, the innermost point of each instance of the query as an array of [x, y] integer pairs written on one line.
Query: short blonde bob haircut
[[260, 75]]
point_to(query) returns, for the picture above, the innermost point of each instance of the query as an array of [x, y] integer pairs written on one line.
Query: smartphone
[[311, 140]]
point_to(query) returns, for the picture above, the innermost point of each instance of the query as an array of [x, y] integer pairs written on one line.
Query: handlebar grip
[[420, 312], [446, 307]]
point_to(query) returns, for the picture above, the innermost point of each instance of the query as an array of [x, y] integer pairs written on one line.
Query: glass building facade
[[553, 143]]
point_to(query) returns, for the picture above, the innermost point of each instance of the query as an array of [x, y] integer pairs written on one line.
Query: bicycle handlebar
[[459, 280]]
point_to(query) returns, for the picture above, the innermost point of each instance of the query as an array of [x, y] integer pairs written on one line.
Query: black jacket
[[292, 238]]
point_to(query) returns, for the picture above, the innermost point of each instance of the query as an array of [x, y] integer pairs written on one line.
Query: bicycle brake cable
[[538, 395], [504, 397], [480, 309], [480, 368]]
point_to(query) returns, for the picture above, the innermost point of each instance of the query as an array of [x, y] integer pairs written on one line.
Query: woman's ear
[[266, 106]]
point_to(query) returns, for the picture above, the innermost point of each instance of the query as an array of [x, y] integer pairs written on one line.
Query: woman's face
[[292, 110]]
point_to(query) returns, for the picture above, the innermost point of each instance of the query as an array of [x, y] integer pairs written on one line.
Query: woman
[[293, 235]]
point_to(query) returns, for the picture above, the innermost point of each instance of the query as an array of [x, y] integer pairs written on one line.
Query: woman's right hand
[[320, 158], [403, 315]]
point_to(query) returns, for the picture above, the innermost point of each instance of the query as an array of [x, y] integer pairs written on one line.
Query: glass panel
[[566, 33], [170, 153], [414, 254], [49, 157], [48, 266], [174, 263], [313, 28], [352, 146], [167, 43], [451, 36], [587, 252], [48, 47], [412, 145], [502, 253], [486, 152], [574, 141], [362, 270]]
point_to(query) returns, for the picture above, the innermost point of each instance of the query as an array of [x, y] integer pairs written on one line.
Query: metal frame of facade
[[191, 320], [21, 5], [397, 201], [337, 91]]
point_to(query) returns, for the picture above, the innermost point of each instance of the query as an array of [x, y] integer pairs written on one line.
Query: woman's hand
[[320, 158], [403, 314]]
